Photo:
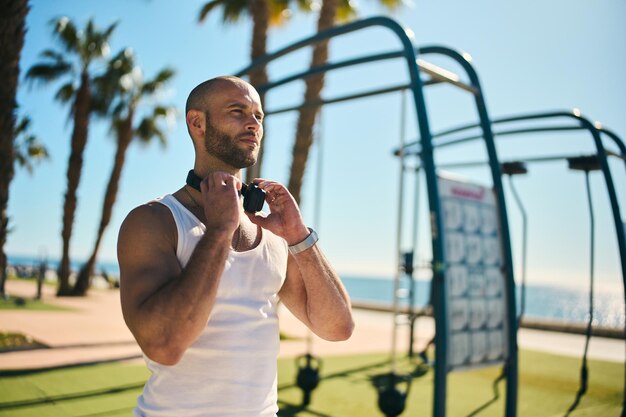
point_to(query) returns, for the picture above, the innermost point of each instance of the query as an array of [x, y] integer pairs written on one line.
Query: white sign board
[[474, 274]]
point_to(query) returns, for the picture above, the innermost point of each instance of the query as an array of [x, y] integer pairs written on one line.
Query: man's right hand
[[166, 306], [220, 198]]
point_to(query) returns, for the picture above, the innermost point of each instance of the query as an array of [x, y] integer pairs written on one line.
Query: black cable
[[584, 370], [496, 394]]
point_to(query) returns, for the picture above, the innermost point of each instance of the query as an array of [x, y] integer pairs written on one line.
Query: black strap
[[193, 180]]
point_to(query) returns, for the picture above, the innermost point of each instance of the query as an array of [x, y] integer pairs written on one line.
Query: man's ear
[[196, 122]]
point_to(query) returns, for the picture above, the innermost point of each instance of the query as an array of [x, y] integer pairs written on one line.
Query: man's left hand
[[284, 219]]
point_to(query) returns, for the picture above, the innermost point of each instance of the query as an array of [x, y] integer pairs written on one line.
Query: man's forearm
[[327, 302], [170, 319]]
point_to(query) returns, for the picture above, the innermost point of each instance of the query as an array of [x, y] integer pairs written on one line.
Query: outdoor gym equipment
[[435, 75], [585, 163], [511, 169], [391, 398], [422, 74], [308, 375]]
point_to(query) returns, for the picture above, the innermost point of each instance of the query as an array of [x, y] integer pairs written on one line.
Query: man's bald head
[[200, 96]]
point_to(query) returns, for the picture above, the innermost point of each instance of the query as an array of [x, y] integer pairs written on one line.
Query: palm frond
[[100, 105], [150, 87], [22, 125], [23, 162], [101, 40], [148, 129], [109, 31], [305, 5], [165, 75], [119, 108], [346, 10], [116, 125], [94, 43], [234, 9], [105, 84], [161, 111], [67, 33], [36, 150], [393, 4], [45, 73], [124, 60], [279, 12], [27, 147], [52, 55], [66, 92], [166, 113], [208, 7], [90, 29]]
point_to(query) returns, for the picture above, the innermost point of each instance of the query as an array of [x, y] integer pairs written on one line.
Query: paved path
[[92, 329]]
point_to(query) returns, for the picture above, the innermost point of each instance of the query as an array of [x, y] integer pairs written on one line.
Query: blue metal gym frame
[[581, 123], [409, 53]]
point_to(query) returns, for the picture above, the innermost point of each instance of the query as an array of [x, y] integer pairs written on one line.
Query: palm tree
[[80, 51], [12, 28], [330, 12], [27, 148], [264, 13], [123, 83]]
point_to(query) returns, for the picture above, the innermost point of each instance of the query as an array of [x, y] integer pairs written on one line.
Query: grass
[[11, 341], [548, 384], [19, 303], [28, 304]]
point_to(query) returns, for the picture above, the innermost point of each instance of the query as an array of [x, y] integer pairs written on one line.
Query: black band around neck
[[193, 180]]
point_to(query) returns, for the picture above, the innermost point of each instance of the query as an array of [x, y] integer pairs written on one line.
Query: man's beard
[[223, 146]]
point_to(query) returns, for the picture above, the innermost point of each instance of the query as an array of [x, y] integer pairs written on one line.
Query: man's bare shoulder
[[148, 213], [148, 221]]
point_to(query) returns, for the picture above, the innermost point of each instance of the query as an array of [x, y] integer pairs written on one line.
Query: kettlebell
[[391, 400], [308, 375]]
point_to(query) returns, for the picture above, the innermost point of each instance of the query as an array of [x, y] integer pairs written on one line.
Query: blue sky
[[530, 55]]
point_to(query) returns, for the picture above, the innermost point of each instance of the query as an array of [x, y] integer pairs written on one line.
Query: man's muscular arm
[[312, 290], [314, 293], [164, 306]]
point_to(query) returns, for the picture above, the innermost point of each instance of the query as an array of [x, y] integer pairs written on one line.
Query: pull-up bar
[[438, 75], [519, 161]]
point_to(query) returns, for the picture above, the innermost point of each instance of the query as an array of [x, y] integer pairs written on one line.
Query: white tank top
[[230, 370]]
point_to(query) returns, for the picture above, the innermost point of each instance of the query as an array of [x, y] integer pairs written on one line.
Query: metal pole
[[518, 200], [413, 286], [584, 371], [496, 174], [396, 282]]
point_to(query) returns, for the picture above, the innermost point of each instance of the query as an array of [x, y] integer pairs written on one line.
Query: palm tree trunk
[[259, 10], [81, 112], [306, 118], [12, 28], [124, 133]]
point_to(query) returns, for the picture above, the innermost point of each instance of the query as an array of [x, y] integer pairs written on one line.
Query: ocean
[[543, 301]]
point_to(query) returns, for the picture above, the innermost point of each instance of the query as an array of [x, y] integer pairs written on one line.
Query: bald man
[[201, 278]]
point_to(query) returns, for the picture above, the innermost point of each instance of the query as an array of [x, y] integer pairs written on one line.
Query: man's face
[[224, 146], [234, 126]]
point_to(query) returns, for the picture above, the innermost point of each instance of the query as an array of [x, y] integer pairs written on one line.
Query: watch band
[[309, 241]]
